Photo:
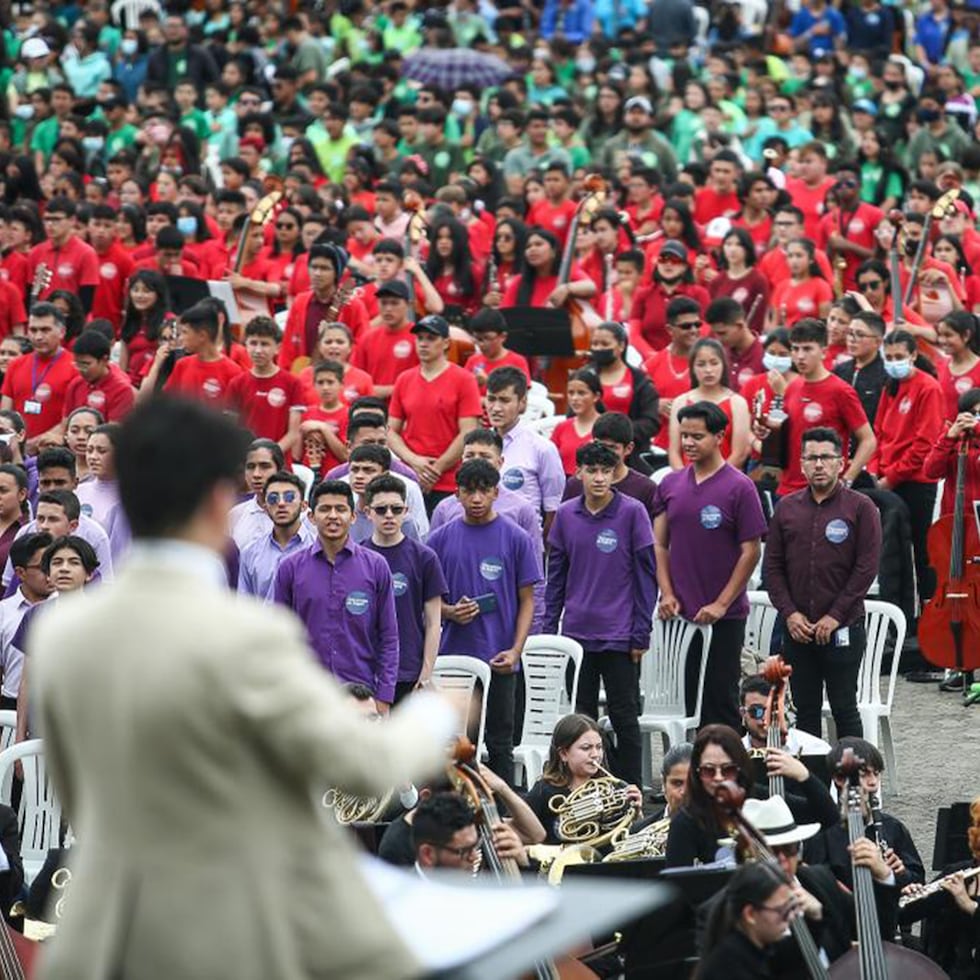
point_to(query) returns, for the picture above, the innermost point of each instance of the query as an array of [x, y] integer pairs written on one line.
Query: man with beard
[[638, 140]]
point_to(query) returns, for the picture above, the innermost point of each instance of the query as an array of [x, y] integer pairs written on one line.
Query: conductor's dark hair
[[438, 818], [596, 454], [170, 455], [507, 377], [614, 427]]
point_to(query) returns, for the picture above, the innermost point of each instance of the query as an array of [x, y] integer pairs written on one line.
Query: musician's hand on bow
[[668, 607], [559, 296], [506, 661], [824, 628], [867, 854], [780, 762], [894, 861], [507, 844], [955, 885], [236, 280]]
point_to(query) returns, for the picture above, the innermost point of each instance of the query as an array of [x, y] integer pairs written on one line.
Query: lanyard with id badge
[[31, 405]]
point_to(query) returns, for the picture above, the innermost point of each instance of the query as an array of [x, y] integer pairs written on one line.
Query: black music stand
[[952, 843], [539, 331], [185, 291]]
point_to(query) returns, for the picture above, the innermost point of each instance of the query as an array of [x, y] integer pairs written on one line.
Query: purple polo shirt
[[601, 573], [417, 577], [260, 560], [348, 608], [476, 559], [708, 522], [634, 485]]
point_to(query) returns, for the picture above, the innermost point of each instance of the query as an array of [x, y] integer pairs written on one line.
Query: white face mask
[[24, 111], [128, 45], [462, 107]]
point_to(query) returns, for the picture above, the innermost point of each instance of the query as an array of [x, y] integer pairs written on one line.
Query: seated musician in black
[[752, 917], [11, 868], [951, 914], [720, 756], [831, 847]]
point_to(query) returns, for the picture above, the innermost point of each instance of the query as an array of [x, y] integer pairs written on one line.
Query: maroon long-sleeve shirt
[[821, 558]]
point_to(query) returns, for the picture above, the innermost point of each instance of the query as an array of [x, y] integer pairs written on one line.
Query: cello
[[949, 624], [777, 672]]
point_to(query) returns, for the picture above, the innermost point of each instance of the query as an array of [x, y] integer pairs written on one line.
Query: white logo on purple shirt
[[513, 479], [710, 517], [399, 584], [357, 603], [491, 568], [607, 540], [837, 531]]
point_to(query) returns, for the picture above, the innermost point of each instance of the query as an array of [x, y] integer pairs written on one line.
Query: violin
[[873, 959], [949, 625], [729, 798], [777, 672]]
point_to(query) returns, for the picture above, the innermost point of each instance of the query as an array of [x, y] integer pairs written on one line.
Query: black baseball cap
[[433, 323], [395, 288]]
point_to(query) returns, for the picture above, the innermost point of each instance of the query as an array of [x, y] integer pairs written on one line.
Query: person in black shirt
[[865, 371]]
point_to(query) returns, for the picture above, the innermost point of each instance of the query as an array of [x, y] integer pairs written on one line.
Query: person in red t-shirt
[[959, 371], [229, 204], [169, 256], [336, 344], [35, 384], [584, 394], [115, 266], [644, 203], [538, 285], [805, 293], [819, 398], [719, 197], [100, 384], [432, 408], [808, 192], [205, 373], [757, 194], [64, 261], [269, 401], [451, 268], [555, 211], [324, 442], [787, 226], [489, 330], [848, 231], [13, 315], [386, 351]]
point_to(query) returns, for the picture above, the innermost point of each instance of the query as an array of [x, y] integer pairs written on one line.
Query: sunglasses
[[727, 770], [689, 325], [671, 260], [286, 497], [396, 509], [870, 284], [756, 711], [286, 226]]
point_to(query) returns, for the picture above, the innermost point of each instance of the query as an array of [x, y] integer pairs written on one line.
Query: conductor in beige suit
[[190, 734]]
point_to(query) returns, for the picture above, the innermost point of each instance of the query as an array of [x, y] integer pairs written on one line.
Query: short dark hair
[[73, 542], [171, 453], [596, 454], [488, 321], [20, 477], [809, 330], [724, 309], [873, 321], [332, 488], [756, 684], [92, 343], [372, 454], [386, 483], [477, 474], [438, 818], [614, 426], [507, 377], [369, 420], [715, 420], [369, 403], [41, 310], [680, 306], [822, 433], [283, 476], [202, 317], [863, 749], [64, 499], [25, 548], [261, 326], [56, 457], [329, 367], [270, 446], [903, 337], [484, 437]]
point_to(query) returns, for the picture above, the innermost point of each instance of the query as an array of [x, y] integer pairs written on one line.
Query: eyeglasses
[[54, 217], [851, 184], [756, 711], [286, 225], [286, 497], [784, 224], [688, 325], [396, 509], [504, 238], [870, 284], [783, 911], [823, 459], [727, 770], [859, 335], [463, 853]]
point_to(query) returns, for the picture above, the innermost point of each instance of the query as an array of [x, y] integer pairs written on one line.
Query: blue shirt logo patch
[[513, 479], [837, 531], [399, 584], [357, 603], [710, 517], [491, 569], [607, 540]]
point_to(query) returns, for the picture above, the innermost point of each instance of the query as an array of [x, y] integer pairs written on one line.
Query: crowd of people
[[759, 222]]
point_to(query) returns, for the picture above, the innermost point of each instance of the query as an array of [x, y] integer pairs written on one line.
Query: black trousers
[[920, 498], [719, 705], [499, 731], [622, 679], [433, 498], [837, 667]]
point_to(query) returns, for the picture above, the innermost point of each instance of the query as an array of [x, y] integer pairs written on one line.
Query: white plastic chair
[[126, 13], [662, 684], [880, 619], [538, 407], [39, 814], [760, 624], [546, 425], [307, 476], [755, 579], [537, 390], [544, 665], [455, 673], [8, 731]]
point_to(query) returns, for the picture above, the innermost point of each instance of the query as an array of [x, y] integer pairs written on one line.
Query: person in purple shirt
[[707, 534], [490, 567], [614, 430], [601, 576], [343, 594], [369, 427], [417, 578], [282, 498]]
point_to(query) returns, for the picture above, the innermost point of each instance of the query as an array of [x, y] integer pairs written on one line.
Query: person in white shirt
[[249, 519], [754, 697]]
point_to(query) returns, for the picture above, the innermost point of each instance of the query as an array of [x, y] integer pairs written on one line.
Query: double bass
[[777, 672], [949, 625]]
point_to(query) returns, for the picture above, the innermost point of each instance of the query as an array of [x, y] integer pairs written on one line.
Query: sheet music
[[222, 290], [419, 909]]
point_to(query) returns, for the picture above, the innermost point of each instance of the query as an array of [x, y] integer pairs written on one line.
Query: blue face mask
[[187, 225], [898, 370], [777, 362]]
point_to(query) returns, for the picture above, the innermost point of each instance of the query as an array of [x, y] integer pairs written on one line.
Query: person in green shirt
[[185, 95], [122, 134], [309, 58], [565, 123], [221, 120], [401, 33], [50, 109], [97, 13], [333, 148], [444, 158]]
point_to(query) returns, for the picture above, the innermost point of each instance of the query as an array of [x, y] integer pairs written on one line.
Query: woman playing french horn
[[574, 762]]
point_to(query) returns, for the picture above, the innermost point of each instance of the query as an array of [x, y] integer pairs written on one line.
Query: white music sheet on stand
[[222, 290], [419, 909]]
